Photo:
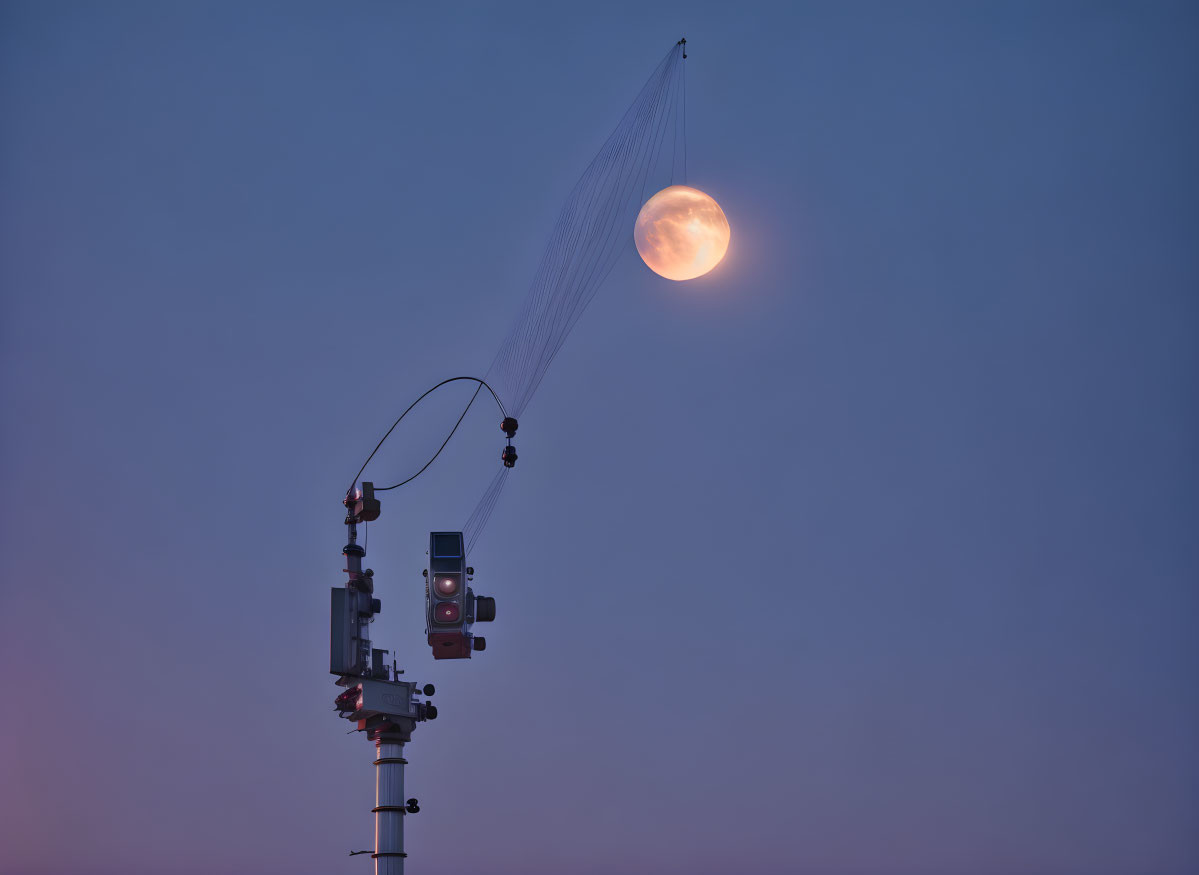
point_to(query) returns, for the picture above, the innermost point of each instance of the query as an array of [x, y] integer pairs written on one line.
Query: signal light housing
[[363, 505], [446, 606], [450, 605], [366, 698]]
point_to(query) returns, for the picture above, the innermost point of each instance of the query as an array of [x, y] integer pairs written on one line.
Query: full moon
[[681, 233]]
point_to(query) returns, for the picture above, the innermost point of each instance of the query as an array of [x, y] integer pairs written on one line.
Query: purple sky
[[875, 552]]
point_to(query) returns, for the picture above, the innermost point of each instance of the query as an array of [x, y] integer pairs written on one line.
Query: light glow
[[681, 233]]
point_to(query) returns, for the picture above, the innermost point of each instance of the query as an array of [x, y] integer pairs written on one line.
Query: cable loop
[[482, 385]]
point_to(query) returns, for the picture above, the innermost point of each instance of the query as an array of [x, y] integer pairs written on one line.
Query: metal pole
[[389, 801]]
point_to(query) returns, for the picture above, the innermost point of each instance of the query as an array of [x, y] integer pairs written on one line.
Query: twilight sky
[[874, 552]]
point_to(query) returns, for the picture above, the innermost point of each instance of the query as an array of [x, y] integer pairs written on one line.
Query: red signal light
[[446, 586], [446, 612]]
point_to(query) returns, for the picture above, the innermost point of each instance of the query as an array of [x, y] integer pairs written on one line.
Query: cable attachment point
[[508, 426], [509, 456], [683, 43]]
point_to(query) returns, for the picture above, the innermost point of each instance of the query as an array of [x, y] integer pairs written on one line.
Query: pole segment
[[389, 807]]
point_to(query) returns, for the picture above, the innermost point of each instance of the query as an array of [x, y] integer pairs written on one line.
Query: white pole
[[389, 804]]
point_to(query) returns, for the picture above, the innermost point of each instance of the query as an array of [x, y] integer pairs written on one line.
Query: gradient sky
[[875, 551]]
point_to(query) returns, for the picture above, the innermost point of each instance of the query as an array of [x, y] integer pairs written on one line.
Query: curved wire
[[482, 383], [465, 410]]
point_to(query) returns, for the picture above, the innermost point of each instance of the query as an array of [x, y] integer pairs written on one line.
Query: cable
[[585, 241], [478, 389], [587, 238], [674, 132], [548, 311], [409, 410], [473, 527]]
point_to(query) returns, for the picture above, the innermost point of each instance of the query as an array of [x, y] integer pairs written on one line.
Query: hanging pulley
[[508, 427]]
